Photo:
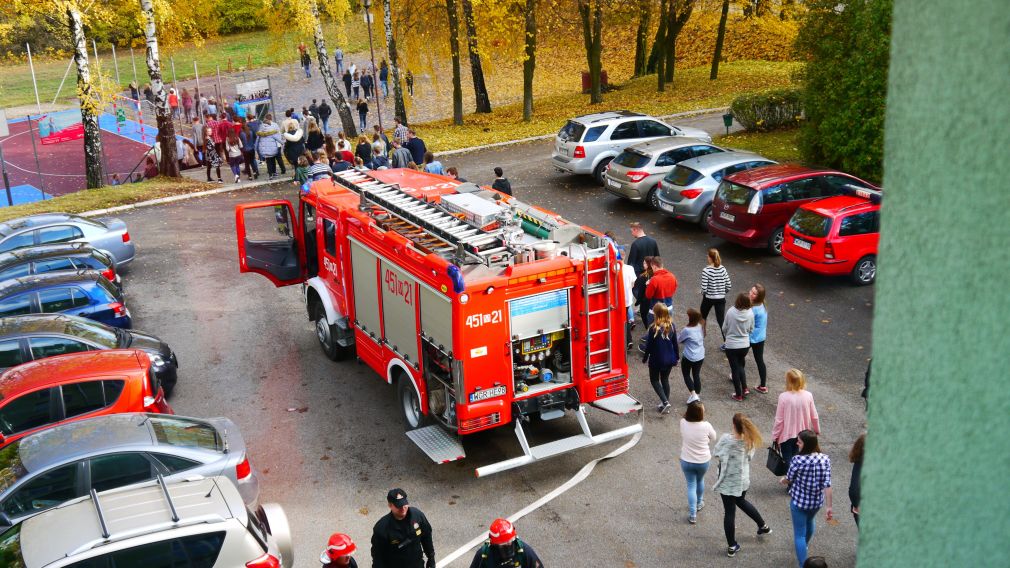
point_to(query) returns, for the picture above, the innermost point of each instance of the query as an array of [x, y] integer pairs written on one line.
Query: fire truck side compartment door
[[436, 318], [399, 310], [270, 241], [366, 300]]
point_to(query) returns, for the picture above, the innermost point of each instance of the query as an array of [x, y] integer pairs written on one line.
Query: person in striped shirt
[[320, 168], [715, 284]]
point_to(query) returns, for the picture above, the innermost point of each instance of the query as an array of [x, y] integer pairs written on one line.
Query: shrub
[[769, 110]]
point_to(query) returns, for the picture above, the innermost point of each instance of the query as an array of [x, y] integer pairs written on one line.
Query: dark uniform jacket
[[399, 544], [487, 557]]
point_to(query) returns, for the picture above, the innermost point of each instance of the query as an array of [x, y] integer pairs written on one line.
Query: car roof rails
[[872, 195]]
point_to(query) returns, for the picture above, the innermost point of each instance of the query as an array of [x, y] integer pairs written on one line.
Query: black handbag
[[775, 463]]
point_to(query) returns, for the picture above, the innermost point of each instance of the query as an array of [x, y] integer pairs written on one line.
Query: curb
[[194, 195]]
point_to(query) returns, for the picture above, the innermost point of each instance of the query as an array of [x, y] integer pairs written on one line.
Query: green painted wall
[[936, 480]]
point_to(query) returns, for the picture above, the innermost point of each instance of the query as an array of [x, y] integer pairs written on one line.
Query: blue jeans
[[385, 88], [308, 73], [695, 475], [803, 530]]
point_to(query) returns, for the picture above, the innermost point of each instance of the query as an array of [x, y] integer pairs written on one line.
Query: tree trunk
[[592, 24], [660, 46], [400, 108], [530, 62], [657, 44], [642, 36], [717, 56], [680, 13], [166, 128], [457, 89], [483, 101], [341, 105], [90, 106]]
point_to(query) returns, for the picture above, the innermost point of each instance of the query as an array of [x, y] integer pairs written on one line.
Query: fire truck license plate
[[487, 393]]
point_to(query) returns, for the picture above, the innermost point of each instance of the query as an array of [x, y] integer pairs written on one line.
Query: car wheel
[[601, 170], [324, 332], [653, 198], [410, 406], [706, 217], [775, 241], [865, 271]]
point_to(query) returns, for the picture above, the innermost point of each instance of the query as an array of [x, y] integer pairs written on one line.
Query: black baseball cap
[[397, 497]]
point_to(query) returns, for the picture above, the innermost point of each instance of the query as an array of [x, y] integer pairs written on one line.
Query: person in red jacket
[[662, 286]]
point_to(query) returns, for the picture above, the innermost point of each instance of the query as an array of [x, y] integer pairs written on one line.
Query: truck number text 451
[[475, 321]]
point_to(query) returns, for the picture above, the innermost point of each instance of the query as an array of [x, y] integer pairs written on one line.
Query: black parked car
[[57, 257], [30, 337]]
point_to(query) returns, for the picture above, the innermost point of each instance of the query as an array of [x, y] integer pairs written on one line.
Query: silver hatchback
[[687, 191], [635, 173]]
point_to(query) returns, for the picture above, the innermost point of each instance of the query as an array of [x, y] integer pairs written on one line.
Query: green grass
[[779, 145], [91, 199], [249, 50], [693, 91]]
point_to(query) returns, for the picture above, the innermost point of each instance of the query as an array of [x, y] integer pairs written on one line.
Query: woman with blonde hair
[[794, 413], [715, 284], [661, 353], [735, 451]]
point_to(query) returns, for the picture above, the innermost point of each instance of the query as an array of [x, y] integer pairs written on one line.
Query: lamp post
[[371, 48]]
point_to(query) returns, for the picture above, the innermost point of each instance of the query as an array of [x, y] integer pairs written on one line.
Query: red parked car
[[70, 387], [837, 236], [752, 207]]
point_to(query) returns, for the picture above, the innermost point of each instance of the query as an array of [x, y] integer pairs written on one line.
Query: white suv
[[200, 523], [586, 144]]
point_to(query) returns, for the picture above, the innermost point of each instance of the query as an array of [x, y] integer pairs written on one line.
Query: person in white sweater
[[696, 436], [737, 329]]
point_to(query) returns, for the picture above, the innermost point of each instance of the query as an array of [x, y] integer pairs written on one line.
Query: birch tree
[[394, 64], [343, 108], [166, 129], [90, 103]]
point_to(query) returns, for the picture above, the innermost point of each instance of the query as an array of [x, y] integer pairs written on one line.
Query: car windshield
[[735, 194], [811, 224], [682, 176], [572, 131], [631, 159], [186, 433], [10, 548], [11, 468]]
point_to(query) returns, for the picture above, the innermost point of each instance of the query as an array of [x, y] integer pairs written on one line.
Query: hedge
[[769, 110]]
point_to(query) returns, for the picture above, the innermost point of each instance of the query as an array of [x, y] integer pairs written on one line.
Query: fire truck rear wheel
[[410, 405], [324, 332]]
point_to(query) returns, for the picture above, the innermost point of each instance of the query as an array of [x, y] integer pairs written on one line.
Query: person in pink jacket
[[794, 413]]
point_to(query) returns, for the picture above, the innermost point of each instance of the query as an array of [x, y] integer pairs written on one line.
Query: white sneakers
[[693, 398]]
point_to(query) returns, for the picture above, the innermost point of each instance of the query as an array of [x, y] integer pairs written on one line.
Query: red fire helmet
[[502, 532], [339, 545]]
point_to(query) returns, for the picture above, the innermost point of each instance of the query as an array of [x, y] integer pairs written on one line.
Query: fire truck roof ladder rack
[[600, 285], [586, 439], [427, 216]]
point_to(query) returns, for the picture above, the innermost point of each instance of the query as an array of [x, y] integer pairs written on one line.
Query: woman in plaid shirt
[[809, 481]]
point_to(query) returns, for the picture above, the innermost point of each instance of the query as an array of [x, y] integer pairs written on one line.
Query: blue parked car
[[86, 293]]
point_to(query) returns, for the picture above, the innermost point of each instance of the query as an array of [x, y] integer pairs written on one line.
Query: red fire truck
[[480, 309]]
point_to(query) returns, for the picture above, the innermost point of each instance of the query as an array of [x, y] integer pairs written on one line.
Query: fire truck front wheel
[[325, 334], [410, 405]]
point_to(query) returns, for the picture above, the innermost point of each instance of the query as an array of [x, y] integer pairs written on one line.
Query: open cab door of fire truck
[[269, 241]]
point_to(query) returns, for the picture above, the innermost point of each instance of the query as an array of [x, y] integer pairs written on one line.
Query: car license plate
[[485, 394], [727, 216], [614, 184], [666, 207], [801, 243]]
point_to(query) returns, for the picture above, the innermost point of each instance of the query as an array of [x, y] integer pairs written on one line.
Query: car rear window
[[571, 131], [811, 224], [110, 288], [735, 194], [11, 470], [186, 433], [630, 159], [682, 176], [10, 548]]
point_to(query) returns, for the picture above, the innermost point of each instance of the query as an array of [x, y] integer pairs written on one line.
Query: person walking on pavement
[[400, 156], [641, 247], [338, 55], [628, 277], [757, 337], [641, 282], [210, 156], [503, 549], [400, 130], [187, 104], [367, 82], [306, 61], [402, 538], [794, 412], [501, 183], [384, 78], [410, 83], [735, 452], [269, 143], [248, 139], [809, 482], [431, 165], [347, 81], [313, 136], [356, 85], [856, 458], [233, 150], [294, 142], [661, 354], [662, 286], [173, 103], [692, 341], [324, 115], [339, 549], [715, 284], [696, 435], [362, 107], [737, 329], [416, 147], [364, 151]]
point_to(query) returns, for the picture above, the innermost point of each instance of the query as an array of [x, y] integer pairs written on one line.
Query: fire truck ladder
[[597, 281], [425, 220]]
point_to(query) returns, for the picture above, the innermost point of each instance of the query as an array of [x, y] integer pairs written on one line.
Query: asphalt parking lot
[[328, 441]]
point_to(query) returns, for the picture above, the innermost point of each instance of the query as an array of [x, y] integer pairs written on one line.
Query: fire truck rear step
[[618, 404], [440, 445], [536, 453]]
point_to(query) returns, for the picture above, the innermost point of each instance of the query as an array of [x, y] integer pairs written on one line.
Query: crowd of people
[[743, 328]]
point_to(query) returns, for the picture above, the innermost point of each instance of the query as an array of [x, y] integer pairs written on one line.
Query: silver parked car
[[108, 235], [636, 172], [687, 191], [58, 464], [197, 522], [586, 144]]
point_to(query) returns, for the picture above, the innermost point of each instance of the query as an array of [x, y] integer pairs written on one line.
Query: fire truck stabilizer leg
[[536, 453]]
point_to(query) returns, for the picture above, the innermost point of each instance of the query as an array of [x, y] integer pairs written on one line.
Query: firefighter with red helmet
[[338, 551], [503, 549]]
